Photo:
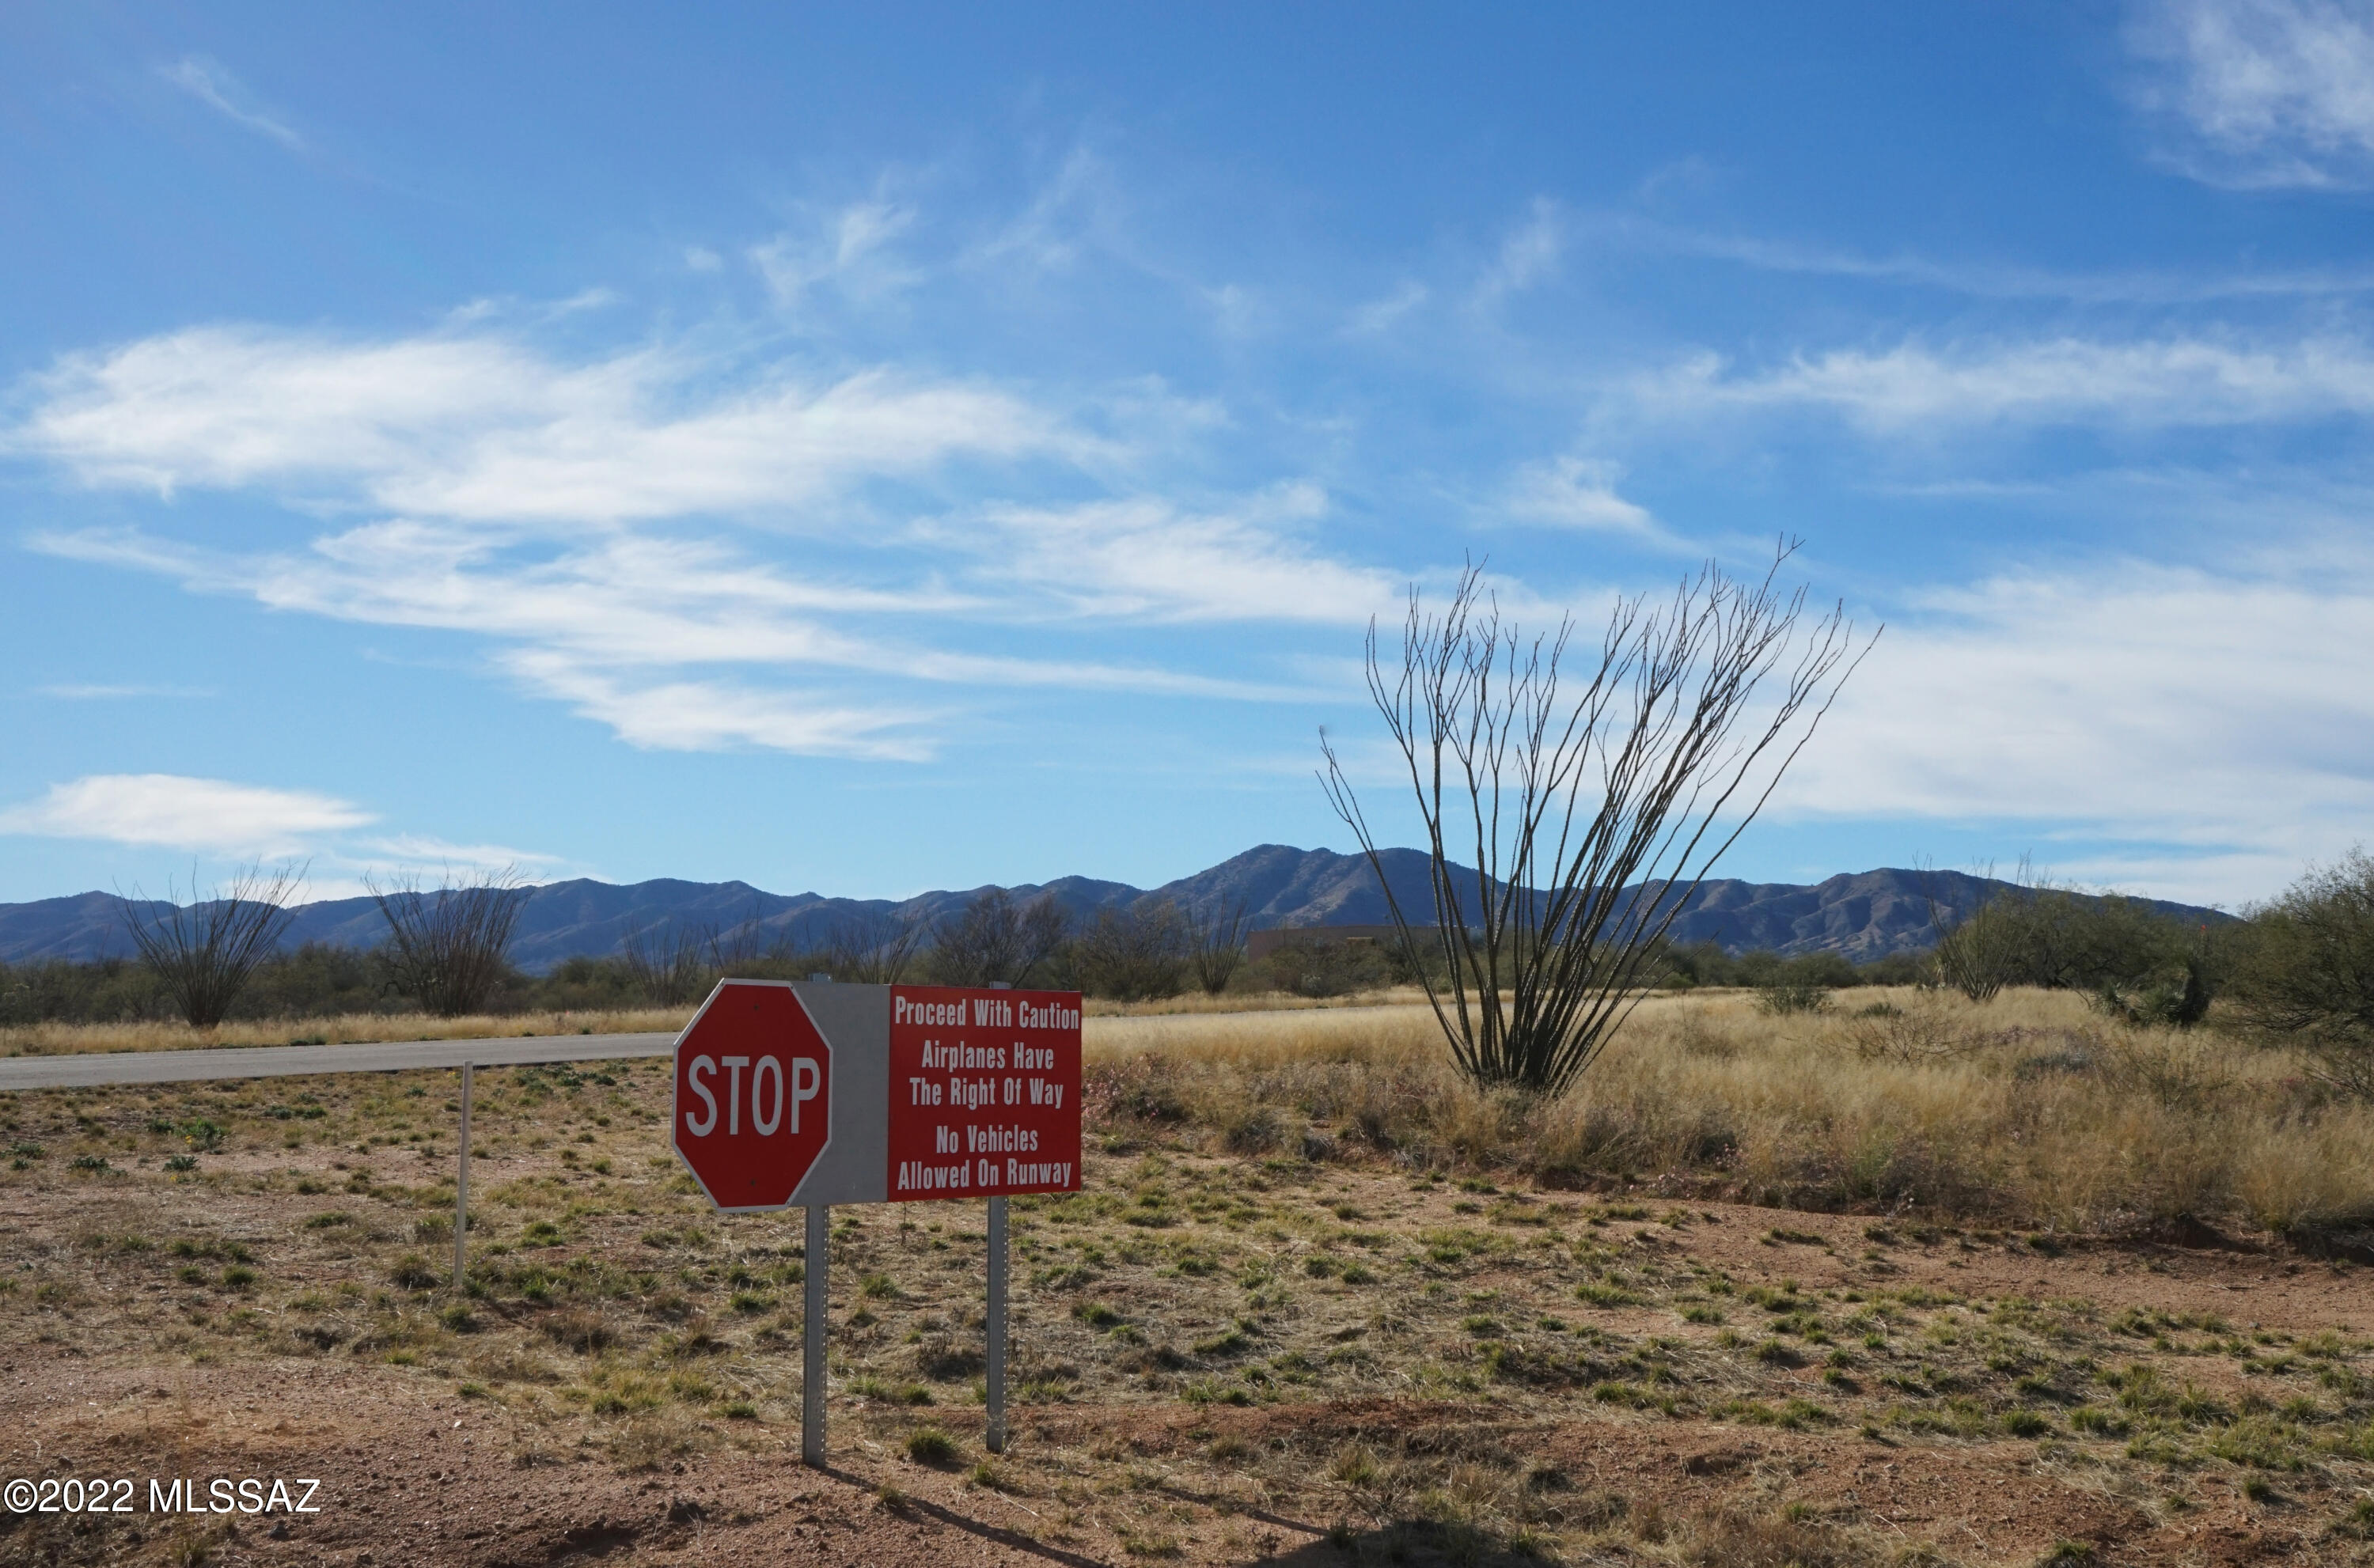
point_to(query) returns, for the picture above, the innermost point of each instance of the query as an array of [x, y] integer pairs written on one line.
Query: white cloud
[[2267, 92], [174, 812], [1528, 253], [848, 250], [1382, 315], [1147, 559], [235, 823], [2219, 724], [211, 84], [712, 715], [478, 426], [701, 258], [617, 524], [2170, 382], [1578, 493]]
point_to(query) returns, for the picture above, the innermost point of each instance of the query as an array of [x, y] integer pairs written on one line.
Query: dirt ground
[[1222, 1357]]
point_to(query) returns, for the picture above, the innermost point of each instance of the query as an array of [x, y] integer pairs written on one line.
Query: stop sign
[[753, 1101]]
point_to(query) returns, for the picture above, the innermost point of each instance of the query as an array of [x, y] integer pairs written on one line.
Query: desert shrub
[[1135, 954], [106, 990], [2136, 961], [2177, 996], [2064, 940], [930, 1446], [1790, 996], [204, 955], [2305, 972], [665, 961], [449, 946], [1706, 963], [1311, 967], [1216, 944], [996, 938], [1978, 955]]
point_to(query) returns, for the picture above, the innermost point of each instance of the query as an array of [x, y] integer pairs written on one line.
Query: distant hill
[[1865, 915]]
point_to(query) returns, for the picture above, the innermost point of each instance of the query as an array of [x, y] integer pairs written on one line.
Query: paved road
[[92, 1068]]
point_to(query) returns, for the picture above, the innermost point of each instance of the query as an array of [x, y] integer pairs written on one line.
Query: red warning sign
[[984, 1092]]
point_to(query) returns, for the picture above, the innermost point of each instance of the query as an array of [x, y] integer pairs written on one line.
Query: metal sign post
[[462, 1183], [994, 1440], [812, 1335]]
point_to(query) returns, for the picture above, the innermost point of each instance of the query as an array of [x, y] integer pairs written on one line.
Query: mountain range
[[1864, 915]]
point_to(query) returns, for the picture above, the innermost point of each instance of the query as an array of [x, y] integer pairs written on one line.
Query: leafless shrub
[[451, 946], [1977, 953], [876, 947], [204, 955], [1134, 955], [1595, 810], [665, 959], [1216, 945], [996, 939], [739, 949], [1908, 1036]]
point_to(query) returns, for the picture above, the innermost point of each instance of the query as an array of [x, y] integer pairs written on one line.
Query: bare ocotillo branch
[[451, 946], [1597, 797], [1216, 945], [665, 960], [204, 955]]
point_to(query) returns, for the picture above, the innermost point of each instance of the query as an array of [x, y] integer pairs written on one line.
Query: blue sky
[[872, 449]]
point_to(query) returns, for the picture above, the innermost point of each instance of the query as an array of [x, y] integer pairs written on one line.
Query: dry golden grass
[[2030, 1108], [62, 1039], [1198, 1002]]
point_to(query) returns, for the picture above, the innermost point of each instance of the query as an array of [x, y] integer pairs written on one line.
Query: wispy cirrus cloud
[[1578, 493], [211, 83], [1148, 559], [98, 691], [2262, 93], [1977, 277], [621, 527], [2166, 382], [482, 427], [848, 250], [1528, 253]]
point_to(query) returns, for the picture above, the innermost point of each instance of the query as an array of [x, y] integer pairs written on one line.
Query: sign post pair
[[808, 1095]]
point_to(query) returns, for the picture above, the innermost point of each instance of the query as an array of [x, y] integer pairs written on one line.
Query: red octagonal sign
[[753, 1103]]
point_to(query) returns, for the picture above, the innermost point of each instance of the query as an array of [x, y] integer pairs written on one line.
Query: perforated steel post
[[462, 1183], [812, 1332], [995, 1439]]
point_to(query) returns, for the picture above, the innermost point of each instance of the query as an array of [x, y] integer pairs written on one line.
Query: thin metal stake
[[995, 1440], [462, 1181], [812, 1331]]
